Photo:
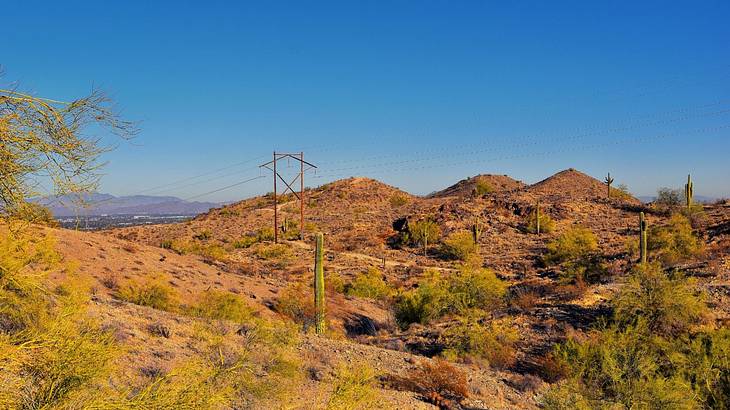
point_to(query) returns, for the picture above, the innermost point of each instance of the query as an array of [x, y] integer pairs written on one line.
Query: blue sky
[[416, 94]]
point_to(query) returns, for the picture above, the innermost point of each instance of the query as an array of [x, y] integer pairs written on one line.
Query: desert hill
[[489, 183]]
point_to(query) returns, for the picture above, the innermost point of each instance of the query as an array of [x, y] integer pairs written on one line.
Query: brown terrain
[[358, 217]]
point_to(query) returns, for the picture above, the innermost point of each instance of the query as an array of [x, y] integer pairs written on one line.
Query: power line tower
[[271, 166]]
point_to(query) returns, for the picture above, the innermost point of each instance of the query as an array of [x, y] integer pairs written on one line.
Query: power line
[[224, 188]]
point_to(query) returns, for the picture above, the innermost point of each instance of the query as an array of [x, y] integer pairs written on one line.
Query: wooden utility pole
[[271, 165]]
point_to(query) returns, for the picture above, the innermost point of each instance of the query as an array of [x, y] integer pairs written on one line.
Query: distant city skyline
[[417, 95]]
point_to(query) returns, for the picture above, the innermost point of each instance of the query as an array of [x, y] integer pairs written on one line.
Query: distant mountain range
[[105, 204]]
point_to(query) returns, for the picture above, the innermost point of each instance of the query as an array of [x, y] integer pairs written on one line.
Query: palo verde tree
[[44, 143]]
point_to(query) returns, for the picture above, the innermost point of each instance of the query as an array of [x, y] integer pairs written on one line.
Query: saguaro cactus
[[689, 192], [319, 303], [642, 238], [537, 217], [476, 230], [609, 181]]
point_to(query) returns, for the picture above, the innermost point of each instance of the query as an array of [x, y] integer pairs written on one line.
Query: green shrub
[[370, 285], [154, 293], [422, 231], [35, 213], [204, 236], [475, 338], [619, 368], [472, 288], [460, 292], [621, 192], [668, 305], [215, 304], [354, 388], [674, 242], [398, 200], [429, 301], [297, 303], [668, 199], [482, 187], [334, 282], [575, 244], [547, 225], [706, 364], [459, 245], [278, 252]]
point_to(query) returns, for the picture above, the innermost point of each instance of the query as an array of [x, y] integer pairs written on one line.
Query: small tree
[[43, 142], [424, 232]]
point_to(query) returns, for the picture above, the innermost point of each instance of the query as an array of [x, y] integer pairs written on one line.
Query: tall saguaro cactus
[[319, 303], [609, 181], [476, 230], [689, 192], [643, 225]]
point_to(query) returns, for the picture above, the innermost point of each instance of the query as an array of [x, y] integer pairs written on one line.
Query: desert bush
[[524, 299], [619, 368], [705, 362], [261, 235], [437, 381], [668, 305], [297, 303], [153, 292], [576, 251], [422, 231], [334, 282], [469, 288], [475, 338], [429, 301], [547, 225], [576, 243], [621, 192], [668, 199], [215, 304], [49, 350], [354, 388], [370, 285], [277, 252], [459, 246], [674, 242], [397, 200], [204, 235], [483, 187]]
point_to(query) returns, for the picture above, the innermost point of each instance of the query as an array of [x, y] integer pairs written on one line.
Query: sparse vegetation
[[370, 285], [482, 187], [459, 246], [214, 304], [153, 292], [674, 242], [354, 388], [398, 200], [476, 338], [547, 225]]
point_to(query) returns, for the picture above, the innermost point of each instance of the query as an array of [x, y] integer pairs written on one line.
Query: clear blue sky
[[418, 94]]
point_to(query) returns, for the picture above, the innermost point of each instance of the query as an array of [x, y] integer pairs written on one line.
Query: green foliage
[[461, 292], [204, 235], [424, 231], [668, 305], [276, 251], [547, 225], [459, 245], [35, 213], [674, 242], [370, 285], [354, 389], [49, 351], [705, 362], [576, 243], [397, 200], [482, 187], [215, 304], [576, 251], [668, 199], [427, 302], [335, 283], [621, 192], [476, 338], [152, 292], [262, 235]]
